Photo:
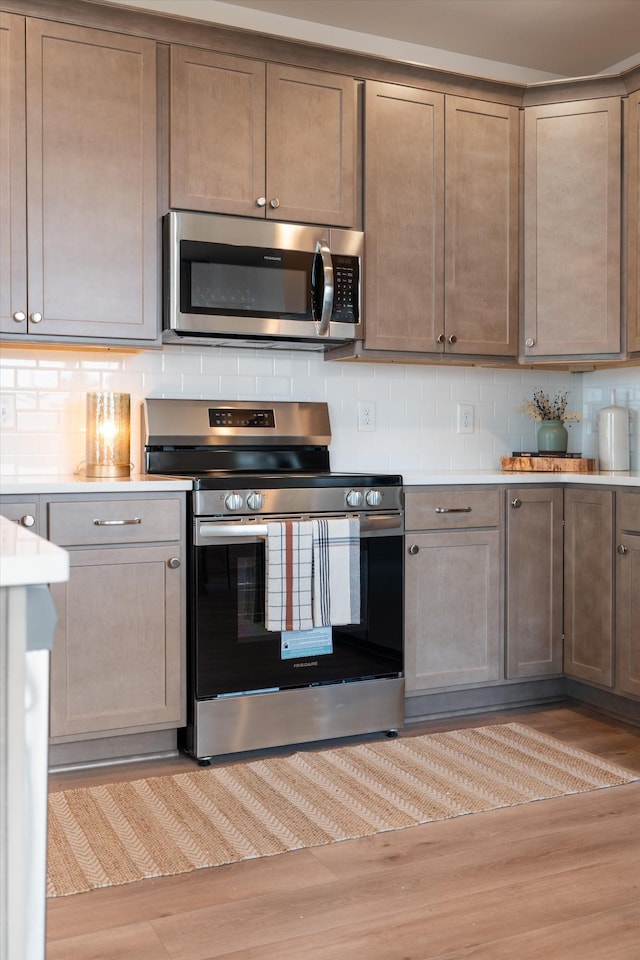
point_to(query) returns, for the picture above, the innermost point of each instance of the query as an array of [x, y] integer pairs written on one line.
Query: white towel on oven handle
[[336, 571], [289, 575]]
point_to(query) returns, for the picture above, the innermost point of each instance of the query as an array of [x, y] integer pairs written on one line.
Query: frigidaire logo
[[277, 259], [313, 663]]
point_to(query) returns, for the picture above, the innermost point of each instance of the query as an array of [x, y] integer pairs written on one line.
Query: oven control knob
[[233, 501], [255, 500], [373, 498], [354, 498]]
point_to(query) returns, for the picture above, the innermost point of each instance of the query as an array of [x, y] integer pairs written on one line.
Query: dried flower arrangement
[[543, 408]]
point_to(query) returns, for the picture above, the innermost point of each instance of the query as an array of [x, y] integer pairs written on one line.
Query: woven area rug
[[121, 832]]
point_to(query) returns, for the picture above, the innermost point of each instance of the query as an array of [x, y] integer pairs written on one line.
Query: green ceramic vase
[[552, 437]]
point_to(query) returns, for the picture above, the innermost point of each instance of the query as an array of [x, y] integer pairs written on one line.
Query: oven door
[[231, 651]]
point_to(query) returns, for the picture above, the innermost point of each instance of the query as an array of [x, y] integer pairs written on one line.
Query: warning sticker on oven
[[305, 643]]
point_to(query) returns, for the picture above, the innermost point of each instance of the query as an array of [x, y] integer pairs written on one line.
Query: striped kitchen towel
[[336, 571], [289, 575]]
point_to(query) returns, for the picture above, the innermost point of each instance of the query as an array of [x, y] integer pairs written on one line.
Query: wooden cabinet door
[[632, 118], [588, 585], [217, 132], [404, 218], [311, 146], [91, 183], [534, 581], [572, 170], [13, 209], [452, 609], [117, 660], [481, 228], [628, 592]]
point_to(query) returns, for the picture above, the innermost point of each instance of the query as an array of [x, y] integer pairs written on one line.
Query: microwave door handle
[[323, 251]]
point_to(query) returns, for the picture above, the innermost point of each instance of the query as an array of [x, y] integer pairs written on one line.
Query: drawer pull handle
[[413, 549], [622, 550], [516, 502], [173, 563], [453, 509], [117, 523]]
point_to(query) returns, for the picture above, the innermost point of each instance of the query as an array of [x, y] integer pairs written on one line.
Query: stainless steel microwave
[[229, 280]]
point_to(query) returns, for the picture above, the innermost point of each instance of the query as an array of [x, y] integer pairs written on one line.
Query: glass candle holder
[[108, 435]]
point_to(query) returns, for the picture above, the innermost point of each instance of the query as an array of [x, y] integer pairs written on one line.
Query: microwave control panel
[[346, 283]]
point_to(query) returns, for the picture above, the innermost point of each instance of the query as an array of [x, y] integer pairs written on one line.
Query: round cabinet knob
[[452, 338], [373, 498], [261, 202], [27, 520], [516, 503], [274, 204], [174, 563], [622, 549], [35, 317], [529, 342], [19, 316], [233, 501], [413, 549], [255, 500], [354, 498], [440, 338]]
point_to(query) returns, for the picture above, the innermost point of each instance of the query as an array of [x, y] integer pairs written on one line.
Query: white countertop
[[140, 483], [27, 559], [415, 478]]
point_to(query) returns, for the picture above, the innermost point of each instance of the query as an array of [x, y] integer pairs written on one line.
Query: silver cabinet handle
[[261, 202], [516, 503], [323, 251], [452, 338], [529, 342], [413, 549], [622, 549], [27, 521], [274, 204], [440, 338], [19, 316], [117, 523], [35, 317], [453, 509], [174, 563]]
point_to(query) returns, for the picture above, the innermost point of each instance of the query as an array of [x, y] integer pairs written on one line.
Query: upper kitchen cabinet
[[78, 259], [633, 221], [261, 140], [441, 224], [572, 218]]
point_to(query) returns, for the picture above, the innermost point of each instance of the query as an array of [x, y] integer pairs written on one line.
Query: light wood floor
[[553, 879]]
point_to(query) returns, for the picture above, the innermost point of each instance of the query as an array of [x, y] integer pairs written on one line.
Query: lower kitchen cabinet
[[589, 585], [453, 592], [628, 593], [534, 581], [117, 664]]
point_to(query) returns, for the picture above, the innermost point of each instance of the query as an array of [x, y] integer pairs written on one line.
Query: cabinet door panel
[[481, 236], [534, 582], [311, 146], [91, 182], [404, 204], [114, 659], [13, 204], [572, 228], [453, 602], [217, 141], [588, 585], [633, 221], [628, 615]]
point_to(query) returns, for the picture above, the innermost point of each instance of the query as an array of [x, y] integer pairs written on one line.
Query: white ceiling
[[558, 37]]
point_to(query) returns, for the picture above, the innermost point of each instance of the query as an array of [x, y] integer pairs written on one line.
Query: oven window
[[232, 652]]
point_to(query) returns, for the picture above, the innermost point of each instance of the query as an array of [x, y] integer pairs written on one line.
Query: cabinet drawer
[[23, 512], [452, 509], [79, 522], [628, 511]]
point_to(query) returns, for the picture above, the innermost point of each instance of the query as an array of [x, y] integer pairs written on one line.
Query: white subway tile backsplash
[[416, 414]]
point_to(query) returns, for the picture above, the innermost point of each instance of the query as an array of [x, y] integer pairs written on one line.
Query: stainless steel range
[[256, 468]]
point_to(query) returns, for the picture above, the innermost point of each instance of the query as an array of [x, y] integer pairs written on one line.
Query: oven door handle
[[232, 530]]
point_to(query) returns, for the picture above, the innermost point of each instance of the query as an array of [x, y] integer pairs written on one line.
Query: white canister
[[613, 436]]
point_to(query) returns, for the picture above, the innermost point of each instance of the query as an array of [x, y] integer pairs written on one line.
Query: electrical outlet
[[7, 411], [465, 418], [366, 415]]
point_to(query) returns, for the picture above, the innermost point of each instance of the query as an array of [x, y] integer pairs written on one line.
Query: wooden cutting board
[[548, 464]]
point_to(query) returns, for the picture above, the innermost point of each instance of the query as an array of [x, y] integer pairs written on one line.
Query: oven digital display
[[225, 417]]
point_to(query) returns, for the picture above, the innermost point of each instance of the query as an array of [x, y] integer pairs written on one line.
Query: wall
[[415, 405]]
